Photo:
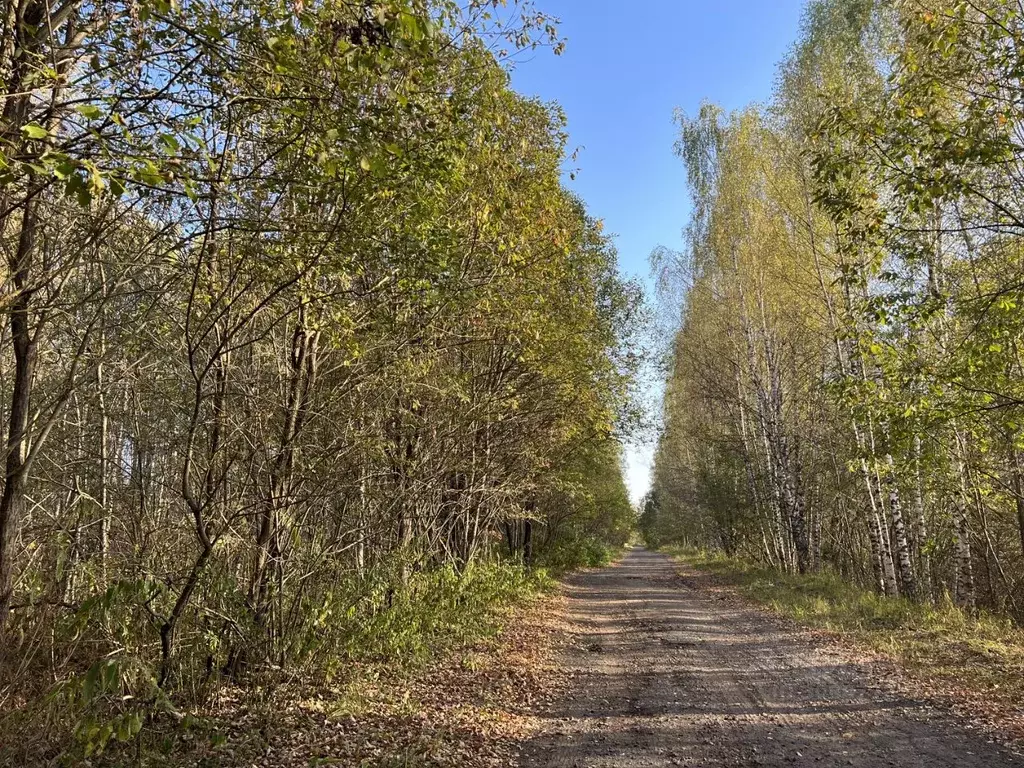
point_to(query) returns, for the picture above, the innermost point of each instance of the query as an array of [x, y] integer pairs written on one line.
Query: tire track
[[664, 675]]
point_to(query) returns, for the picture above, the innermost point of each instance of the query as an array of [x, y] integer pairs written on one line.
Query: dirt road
[[665, 675]]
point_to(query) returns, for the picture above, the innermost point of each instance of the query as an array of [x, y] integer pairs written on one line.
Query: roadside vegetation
[[845, 391], [310, 366], [844, 411]]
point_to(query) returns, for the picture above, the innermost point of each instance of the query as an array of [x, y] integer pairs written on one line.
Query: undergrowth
[[440, 610], [362, 638], [579, 551], [937, 644]]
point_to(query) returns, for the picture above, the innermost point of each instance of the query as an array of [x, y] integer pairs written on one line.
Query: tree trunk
[[528, 543], [923, 545], [1018, 493], [798, 523], [963, 589], [104, 439], [12, 500], [907, 581]]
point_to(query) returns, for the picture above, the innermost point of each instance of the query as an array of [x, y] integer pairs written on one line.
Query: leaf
[[90, 683], [34, 131], [111, 676], [89, 111], [170, 143]]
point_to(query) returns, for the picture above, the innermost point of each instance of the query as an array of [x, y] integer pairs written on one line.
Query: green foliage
[[317, 359], [578, 551], [590, 516], [844, 388], [383, 623]]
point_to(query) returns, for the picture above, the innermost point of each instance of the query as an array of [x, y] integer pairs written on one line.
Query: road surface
[[665, 674]]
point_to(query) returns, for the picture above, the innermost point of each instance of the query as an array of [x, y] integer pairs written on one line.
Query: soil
[[666, 673]]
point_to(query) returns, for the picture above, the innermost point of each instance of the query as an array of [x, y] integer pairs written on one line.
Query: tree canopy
[[844, 380], [301, 332]]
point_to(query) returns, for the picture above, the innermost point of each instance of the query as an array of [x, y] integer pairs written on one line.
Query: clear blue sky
[[627, 66]]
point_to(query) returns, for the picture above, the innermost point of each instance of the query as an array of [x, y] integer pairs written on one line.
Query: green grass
[[437, 612], [952, 652]]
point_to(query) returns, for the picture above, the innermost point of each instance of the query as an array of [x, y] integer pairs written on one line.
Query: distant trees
[[295, 309], [844, 383]]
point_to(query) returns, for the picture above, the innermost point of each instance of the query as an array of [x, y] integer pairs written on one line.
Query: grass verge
[[975, 663]]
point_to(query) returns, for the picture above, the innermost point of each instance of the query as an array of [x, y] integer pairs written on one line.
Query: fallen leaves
[[467, 710]]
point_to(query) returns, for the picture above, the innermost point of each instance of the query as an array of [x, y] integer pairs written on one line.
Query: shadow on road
[[664, 674]]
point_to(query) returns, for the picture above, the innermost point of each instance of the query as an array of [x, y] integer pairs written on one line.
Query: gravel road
[[666, 674]]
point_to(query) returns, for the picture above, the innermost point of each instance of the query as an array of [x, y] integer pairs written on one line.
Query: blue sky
[[626, 67]]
